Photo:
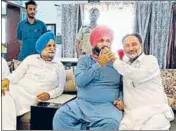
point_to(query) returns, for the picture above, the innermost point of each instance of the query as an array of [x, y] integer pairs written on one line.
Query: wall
[[53, 12]]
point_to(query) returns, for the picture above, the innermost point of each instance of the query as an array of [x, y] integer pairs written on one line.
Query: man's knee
[[63, 119], [112, 124]]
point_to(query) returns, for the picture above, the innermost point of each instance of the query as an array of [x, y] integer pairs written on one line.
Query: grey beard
[[135, 55]]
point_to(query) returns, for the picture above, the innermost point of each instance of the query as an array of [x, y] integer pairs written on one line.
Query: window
[[3, 9], [118, 16]]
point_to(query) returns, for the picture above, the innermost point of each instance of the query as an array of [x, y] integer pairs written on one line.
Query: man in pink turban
[[98, 85]]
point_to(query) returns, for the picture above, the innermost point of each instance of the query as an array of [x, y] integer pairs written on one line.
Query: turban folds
[[43, 41], [98, 33]]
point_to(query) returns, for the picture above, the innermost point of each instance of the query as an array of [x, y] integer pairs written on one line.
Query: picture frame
[[51, 27]]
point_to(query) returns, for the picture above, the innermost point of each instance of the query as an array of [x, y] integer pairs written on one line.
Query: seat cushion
[[70, 82], [169, 82]]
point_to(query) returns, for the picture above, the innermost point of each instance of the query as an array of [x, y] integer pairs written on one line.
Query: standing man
[[146, 105], [82, 40], [28, 31]]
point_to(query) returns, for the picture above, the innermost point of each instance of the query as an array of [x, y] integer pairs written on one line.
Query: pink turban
[[98, 33]]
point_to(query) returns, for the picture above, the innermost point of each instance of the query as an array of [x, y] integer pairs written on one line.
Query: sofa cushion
[[169, 82], [70, 82]]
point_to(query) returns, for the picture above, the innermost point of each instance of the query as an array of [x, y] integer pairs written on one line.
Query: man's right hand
[[105, 56], [4, 86], [78, 48]]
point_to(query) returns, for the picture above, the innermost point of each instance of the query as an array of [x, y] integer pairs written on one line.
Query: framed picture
[[51, 27]]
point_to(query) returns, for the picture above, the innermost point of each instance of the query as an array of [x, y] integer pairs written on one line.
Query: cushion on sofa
[[169, 82], [70, 82]]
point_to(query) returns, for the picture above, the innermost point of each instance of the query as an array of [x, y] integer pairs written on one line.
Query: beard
[[48, 56], [31, 16], [51, 55], [134, 55]]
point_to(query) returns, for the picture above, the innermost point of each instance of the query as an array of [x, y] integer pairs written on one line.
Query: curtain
[[143, 20], [171, 54], [69, 28], [80, 17], [160, 21], [153, 20]]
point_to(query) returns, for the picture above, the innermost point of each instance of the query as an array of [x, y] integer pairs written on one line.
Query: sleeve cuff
[[52, 94]]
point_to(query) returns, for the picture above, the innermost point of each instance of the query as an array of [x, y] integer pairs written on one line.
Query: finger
[[119, 103], [40, 95], [101, 53], [116, 102], [112, 58], [40, 98], [3, 92], [108, 53], [106, 48]]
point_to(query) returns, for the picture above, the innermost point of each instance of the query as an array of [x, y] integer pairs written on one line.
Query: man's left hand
[[43, 96]]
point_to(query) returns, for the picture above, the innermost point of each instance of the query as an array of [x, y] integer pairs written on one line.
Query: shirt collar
[[26, 20]]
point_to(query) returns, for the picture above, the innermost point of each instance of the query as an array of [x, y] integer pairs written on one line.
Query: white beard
[[133, 56], [49, 56]]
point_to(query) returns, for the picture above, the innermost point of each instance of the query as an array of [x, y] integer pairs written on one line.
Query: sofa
[[23, 122], [168, 79], [169, 82]]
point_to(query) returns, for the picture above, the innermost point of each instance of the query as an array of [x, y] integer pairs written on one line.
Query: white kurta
[[144, 95], [8, 108], [32, 77], [5, 68]]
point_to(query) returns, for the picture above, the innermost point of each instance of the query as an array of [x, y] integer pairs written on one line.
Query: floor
[[173, 125]]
